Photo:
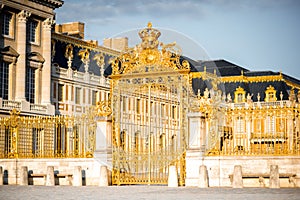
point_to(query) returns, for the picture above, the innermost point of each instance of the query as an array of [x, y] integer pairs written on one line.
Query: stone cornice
[[84, 44], [46, 13], [50, 3]]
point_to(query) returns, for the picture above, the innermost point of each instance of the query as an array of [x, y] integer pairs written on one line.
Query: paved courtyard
[[144, 192]]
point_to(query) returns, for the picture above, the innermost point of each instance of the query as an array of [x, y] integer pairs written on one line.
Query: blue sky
[[255, 34]]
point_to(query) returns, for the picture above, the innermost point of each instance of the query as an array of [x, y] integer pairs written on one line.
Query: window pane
[[94, 97], [7, 17], [77, 95], [4, 80], [60, 92], [31, 30], [30, 86]]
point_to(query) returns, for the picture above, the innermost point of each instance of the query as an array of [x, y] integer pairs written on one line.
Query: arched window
[[270, 94], [239, 95]]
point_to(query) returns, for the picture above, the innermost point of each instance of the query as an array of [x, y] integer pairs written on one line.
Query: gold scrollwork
[[103, 108], [147, 56]]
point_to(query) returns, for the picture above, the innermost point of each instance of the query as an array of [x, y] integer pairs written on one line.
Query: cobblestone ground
[[144, 192]]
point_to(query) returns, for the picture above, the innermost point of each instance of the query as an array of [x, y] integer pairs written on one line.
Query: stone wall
[[12, 168], [220, 167]]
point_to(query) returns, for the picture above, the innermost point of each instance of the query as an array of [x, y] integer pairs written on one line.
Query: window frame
[[4, 80], [30, 84], [60, 92], [239, 95], [77, 95], [11, 25], [36, 31]]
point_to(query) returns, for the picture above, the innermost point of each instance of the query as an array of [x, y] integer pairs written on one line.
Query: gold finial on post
[[149, 25]]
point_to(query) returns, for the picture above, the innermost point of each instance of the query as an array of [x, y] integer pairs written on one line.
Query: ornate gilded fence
[[257, 129], [47, 136]]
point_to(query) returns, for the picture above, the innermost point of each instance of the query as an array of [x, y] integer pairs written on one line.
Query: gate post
[[172, 177], [237, 177], [24, 175], [103, 176], [50, 176], [103, 142], [77, 176], [203, 179], [196, 147], [1, 175], [274, 177]]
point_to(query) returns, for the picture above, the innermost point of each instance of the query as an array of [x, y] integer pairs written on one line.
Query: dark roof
[[261, 73], [61, 60], [222, 67]]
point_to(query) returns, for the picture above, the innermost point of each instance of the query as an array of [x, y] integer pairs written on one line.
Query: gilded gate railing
[[149, 100], [47, 136], [252, 128]]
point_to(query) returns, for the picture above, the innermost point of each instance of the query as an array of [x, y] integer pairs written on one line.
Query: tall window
[[4, 80], [240, 125], [36, 141], [173, 112], [77, 95], [60, 95], [270, 125], [7, 24], [94, 97], [138, 106], [8, 138], [30, 86], [32, 32]]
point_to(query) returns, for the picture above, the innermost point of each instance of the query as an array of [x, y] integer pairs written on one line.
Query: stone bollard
[[274, 177], [103, 176], [203, 178], [1, 175], [24, 175], [77, 176], [172, 178], [50, 176], [237, 177]]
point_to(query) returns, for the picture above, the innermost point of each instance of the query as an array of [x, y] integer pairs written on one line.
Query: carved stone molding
[[23, 16], [47, 23]]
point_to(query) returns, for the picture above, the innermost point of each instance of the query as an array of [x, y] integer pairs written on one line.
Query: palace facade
[[70, 101]]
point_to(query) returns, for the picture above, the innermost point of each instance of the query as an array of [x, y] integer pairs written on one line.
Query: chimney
[[75, 29]]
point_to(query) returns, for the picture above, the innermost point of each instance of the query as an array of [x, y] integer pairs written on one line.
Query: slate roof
[[77, 64], [222, 67], [227, 68]]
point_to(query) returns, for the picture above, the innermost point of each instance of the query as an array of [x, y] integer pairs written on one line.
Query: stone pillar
[[172, 178], [12, 80], [21, 49], [1, 175], [203, 178], [77, 176], [50, 176], [103, 176], [103, 150], [237, 177], [195, 131], [274, 177], [46, 71], [24, 175]]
